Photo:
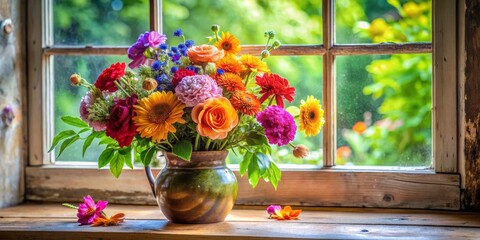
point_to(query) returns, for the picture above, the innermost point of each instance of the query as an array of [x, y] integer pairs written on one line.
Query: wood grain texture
[[345, 188], [472, 103], [444, 87], [12, 83], [143, 222]]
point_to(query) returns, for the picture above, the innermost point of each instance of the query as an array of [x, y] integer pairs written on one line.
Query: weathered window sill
[[52, 221]]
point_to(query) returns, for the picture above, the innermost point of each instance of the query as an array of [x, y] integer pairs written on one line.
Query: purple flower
[[193, 90], [220, 71], [144, 41], [273, 209], [85, 104], [279, 125], [88, 211]]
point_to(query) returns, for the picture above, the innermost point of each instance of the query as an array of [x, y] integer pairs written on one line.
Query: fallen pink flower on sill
[[272, 209], [88, 211], [287, 213]]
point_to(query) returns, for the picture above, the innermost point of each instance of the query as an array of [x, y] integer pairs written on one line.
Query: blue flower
[[174, 69], [178, 33], [163, 46], [174, 49], [191, 68], [189, 43], [183, 52], [220, 71], [197, 70], [181, 46], [156, 65], [161, 77]]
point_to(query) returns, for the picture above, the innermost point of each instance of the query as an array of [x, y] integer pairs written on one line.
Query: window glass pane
[[384, 112], [295, 22], [376, 21], [305, 74], [67, 98], [103, 22]]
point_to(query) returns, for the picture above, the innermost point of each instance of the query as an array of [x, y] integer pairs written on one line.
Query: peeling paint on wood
[[472, 105], [12, 141]]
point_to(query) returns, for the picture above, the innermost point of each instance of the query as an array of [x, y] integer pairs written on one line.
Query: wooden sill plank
[[52, 221], [334, 188]]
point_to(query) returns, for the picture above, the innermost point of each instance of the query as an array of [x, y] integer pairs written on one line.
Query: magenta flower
[[279, 125], [148, 39], [85, 104], [88, 211], [273, 209], [193, 90]]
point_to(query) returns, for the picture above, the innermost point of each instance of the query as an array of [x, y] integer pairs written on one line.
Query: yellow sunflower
[[230, 64], [229, 43], [311, 116], [254, 63], [156, 114]]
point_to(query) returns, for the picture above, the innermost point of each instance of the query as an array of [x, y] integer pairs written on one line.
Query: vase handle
[[151, 180]]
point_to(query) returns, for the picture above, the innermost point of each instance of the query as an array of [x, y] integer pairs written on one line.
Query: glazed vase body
[[202, 190]]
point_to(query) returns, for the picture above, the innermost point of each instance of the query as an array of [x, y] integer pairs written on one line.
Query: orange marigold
[[108, 221], [246, 103], [230, 64], [254, 63], [359, 127], [229, 43], [231, 82]]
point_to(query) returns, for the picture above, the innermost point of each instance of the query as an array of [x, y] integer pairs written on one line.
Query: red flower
[[273, 85], [120, 124], [106, 80], [180, 74]]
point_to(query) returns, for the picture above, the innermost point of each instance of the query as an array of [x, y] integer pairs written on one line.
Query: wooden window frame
[[435, 188]]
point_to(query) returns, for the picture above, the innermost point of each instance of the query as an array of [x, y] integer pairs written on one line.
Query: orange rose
[[204, 54], [215, 118]]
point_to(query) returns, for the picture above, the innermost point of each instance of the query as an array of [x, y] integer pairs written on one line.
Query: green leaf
[[74, 121], [88, 142], [67, 143], [128, 158], [105, 157], [60, 136], [183, 150], [107, 140], [116, 164], [245, 162], [147, 155], [256, 138], [263, 162], [293, 110], [274, 174], [253, 173]]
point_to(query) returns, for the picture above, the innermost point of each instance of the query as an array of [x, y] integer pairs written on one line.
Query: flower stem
[[119, 86], [69, 205], [291, 144], [197, 140]]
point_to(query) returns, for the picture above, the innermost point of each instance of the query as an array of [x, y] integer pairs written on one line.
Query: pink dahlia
[[193, 90], [88, 211], [85, 104], [279, 125]]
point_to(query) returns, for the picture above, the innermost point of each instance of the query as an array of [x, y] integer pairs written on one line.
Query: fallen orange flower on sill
[[287, 213], [108, 221]]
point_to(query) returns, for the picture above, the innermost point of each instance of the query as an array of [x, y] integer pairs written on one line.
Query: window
[[335, 186]]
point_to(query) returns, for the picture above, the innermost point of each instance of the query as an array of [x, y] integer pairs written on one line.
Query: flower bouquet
[[186, 98]]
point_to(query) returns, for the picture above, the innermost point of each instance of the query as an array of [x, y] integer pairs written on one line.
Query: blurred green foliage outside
[[118, 23]]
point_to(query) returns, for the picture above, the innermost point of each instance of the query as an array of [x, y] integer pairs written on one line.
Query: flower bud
[[265, 53], [149, 84], [276, 44], [75, 79], [301, 151], [215, 28], [270, 34], [149, 52]]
